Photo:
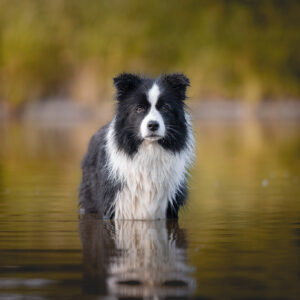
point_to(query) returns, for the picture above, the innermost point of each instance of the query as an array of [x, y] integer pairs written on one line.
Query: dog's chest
[[150, 179]]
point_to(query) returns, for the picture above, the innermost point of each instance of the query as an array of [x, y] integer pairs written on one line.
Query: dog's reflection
[[134, 258]]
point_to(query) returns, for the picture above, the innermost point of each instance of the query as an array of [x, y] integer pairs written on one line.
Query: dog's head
[[151, 110]]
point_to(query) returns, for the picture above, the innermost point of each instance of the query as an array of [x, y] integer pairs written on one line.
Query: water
[[238, 238]]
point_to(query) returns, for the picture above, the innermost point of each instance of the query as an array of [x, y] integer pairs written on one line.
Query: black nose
[[153, 125]]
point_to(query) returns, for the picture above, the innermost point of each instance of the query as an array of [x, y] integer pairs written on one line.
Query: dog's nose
[[152, 125]]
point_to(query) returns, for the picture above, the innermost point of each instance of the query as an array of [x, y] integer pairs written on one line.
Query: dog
[[136, 166]]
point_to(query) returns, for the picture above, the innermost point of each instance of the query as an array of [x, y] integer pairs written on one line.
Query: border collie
[[136, 166]]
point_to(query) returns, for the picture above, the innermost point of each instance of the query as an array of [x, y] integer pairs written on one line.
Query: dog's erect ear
[[126, 83], [179, 82]]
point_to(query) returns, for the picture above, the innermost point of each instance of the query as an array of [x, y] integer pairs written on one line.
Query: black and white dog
[[136, 166]]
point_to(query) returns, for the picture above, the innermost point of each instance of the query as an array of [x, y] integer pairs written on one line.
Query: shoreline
[[66, 112]]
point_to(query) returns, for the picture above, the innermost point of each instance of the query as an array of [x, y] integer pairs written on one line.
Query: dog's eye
[[140, 109], [165, 107]]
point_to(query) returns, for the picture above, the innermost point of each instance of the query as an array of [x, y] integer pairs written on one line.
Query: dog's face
[[151, 110]]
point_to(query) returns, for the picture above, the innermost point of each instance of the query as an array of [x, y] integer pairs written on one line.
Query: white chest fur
[[150, 179]]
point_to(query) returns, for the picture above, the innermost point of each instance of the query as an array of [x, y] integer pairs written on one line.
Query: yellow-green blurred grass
[[247, 50]]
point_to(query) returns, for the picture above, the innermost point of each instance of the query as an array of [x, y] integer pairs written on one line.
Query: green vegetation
[[239, 49]]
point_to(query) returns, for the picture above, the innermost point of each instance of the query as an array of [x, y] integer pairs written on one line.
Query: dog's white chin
[[153, 138]]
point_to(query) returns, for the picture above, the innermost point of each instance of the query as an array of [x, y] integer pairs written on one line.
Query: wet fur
[[126, 176]]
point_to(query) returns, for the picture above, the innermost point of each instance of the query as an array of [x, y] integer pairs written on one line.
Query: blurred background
[[246, 51], [239, 235]]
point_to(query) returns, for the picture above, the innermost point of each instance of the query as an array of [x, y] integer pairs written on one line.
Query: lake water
[[238, 237]]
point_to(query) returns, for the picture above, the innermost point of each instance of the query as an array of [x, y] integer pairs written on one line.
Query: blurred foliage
[[230, 49]]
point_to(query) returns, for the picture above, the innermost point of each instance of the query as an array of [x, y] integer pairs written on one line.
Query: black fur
[[178, 82], [180, 197], [127, 121], [97, 190], [125, 83]]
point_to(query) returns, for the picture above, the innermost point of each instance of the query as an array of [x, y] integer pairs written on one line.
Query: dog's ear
[[178, 82], [126, 83]]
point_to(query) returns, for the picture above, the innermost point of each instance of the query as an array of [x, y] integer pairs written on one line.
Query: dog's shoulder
[[96, 147], [97, 191]]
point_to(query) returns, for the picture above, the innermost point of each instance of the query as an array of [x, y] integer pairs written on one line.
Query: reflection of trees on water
[[135, 258]]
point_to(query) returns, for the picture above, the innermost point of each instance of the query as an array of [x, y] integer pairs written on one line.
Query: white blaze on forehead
[[153, 94], [153, 114]]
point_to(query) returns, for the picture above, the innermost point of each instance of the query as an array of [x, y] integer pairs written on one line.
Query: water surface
[[238, 237]]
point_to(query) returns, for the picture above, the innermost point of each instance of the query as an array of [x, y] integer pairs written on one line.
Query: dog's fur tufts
[[136, 166]]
